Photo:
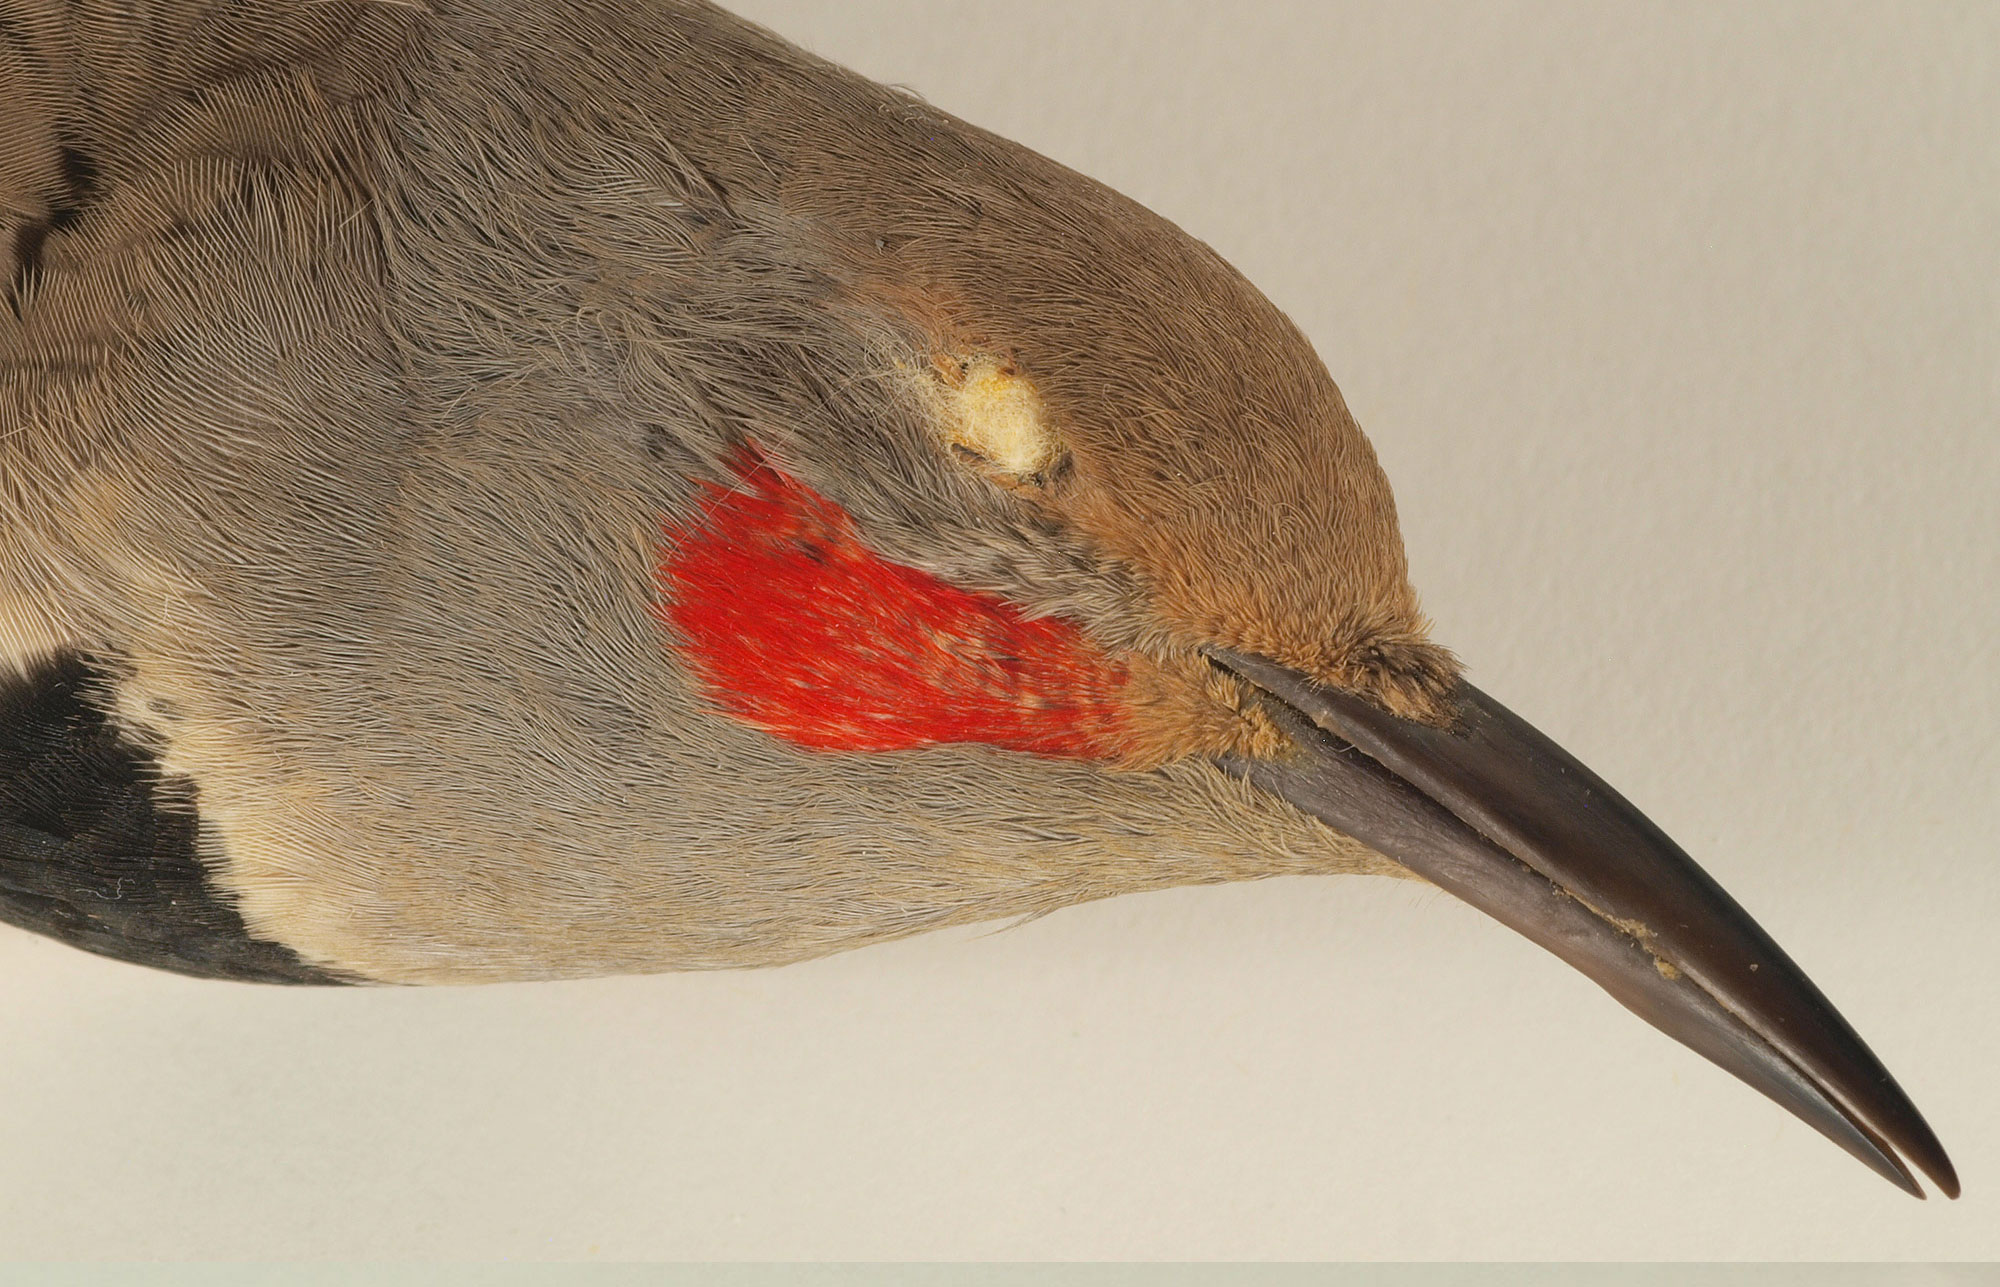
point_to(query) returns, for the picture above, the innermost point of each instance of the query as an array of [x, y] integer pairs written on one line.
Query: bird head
[[1055, 479], [1035, 390]]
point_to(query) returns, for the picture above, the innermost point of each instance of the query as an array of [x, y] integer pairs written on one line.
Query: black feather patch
[[79, 186], [97, 849]]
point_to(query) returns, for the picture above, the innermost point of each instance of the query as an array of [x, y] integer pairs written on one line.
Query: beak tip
[[1916, 1142]]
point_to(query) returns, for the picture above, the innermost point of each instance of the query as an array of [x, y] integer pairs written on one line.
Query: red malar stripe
[[797, 628]]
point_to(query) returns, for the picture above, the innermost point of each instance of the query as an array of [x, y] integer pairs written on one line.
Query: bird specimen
[[499, 493]]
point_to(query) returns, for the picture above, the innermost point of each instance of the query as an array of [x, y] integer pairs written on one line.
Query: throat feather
[[797, 628]]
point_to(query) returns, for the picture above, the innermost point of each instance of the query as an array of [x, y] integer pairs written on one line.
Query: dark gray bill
[[1495, 813]]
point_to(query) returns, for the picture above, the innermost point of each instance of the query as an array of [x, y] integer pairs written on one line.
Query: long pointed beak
[[1495, 813]]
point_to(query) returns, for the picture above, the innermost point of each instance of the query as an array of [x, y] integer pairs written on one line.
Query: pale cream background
[[1675, 327]]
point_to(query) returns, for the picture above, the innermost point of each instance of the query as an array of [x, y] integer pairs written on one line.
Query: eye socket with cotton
[[991, 417]]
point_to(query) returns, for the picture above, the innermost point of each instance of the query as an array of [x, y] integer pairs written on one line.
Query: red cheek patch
[[798, 629]]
